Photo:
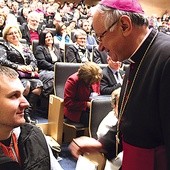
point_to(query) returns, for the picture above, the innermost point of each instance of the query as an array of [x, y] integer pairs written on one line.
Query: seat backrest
[[52, 30], [23, 41], [55, 118], [98, 55], [34, 45], [65, 51], [61, 72], [100, 107]]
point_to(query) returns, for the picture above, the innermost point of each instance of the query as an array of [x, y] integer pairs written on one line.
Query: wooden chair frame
[[54, 126]]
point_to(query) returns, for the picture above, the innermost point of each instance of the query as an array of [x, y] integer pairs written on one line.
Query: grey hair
[[34, 15], [79, 32], [113, 15]]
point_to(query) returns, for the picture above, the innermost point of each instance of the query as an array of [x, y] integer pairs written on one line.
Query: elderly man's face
[[111, 41], [33, 22]]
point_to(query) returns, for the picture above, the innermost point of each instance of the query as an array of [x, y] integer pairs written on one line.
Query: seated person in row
[[47, 53], [91, 41], [62, 37], [78, 53], [110, 122], [31, 30], [77, 90], [112, 77], [20, 57], [2, 22]]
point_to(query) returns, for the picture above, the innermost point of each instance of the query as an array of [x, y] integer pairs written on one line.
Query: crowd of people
[[142, 129], [65, 34], [162, 23], [18, 20]]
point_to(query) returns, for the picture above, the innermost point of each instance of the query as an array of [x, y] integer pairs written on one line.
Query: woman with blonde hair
[[78, 88], [20, 57]]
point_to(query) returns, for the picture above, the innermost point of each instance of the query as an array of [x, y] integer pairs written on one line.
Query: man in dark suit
[[144, 105], [112, 77]]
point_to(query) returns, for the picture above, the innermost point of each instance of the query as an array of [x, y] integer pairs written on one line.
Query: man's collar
[[130, 58]]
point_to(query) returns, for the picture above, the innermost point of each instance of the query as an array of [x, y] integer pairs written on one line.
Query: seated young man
[[22, 145]]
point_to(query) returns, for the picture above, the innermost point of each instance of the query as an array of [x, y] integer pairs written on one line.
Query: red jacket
[[76, 96]]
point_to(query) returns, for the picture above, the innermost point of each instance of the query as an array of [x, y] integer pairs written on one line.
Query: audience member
[[77, 90], [62, 37], [39, 8], [20, 57], [91, 42], [71, 28], [56, 6], [78, 53], [82, 11], [22, 145], [2, 22], [22, 18], [33, 5], [144, 107], [49, 16], [10, 18], [55, 21], [15, 9], [66, 16], [26, 3], [165, 16], [31, 30], [76, 17], [47, 54], [20, 3], [110, 123], [2, 4], [112, 77]]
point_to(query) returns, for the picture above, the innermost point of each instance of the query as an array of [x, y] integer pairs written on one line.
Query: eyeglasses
[[13, 33], [99, 38]]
